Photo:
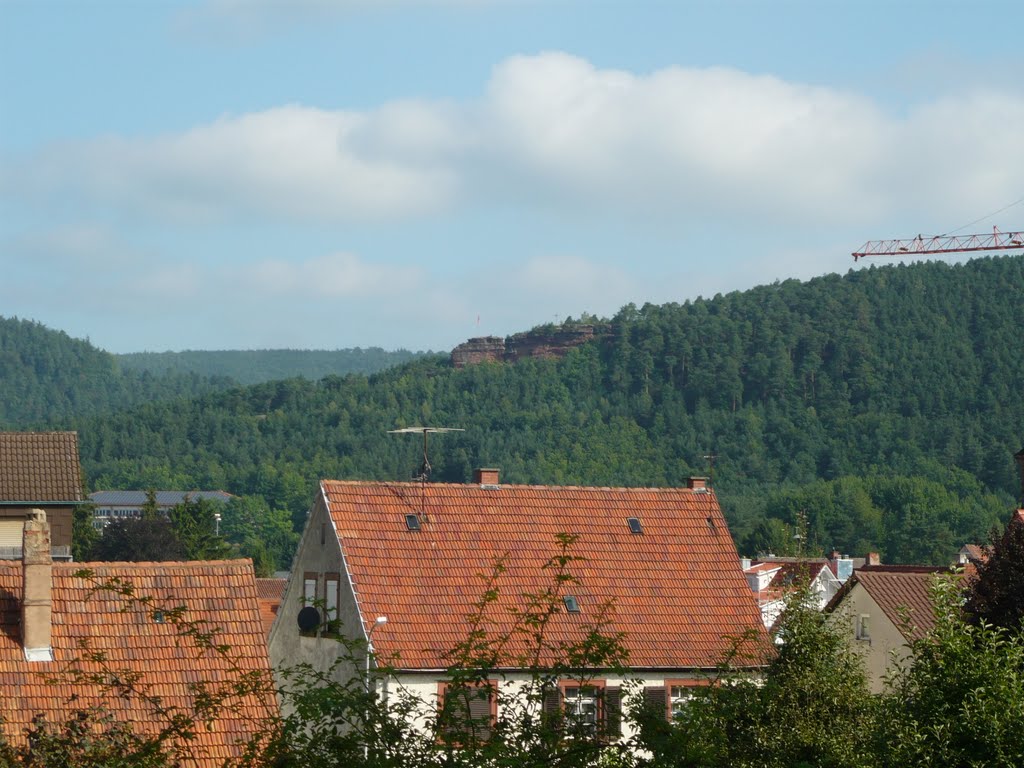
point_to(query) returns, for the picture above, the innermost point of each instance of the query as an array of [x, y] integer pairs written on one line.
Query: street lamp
[[216, 523]]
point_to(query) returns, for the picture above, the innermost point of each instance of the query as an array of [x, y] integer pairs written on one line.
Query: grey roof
[[163, 498], [40, 467]]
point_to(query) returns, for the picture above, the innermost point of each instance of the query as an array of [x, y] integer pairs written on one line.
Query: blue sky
[[227, 174]]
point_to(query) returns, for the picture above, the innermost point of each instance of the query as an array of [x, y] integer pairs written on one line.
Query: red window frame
[[681, 682]]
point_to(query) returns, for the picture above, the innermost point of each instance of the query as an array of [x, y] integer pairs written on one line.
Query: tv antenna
[[424, 473], [710, 458]]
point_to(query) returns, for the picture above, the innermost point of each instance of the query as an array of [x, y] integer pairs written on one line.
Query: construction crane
[[919, 246]]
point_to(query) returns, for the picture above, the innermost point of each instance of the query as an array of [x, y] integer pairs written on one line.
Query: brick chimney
[[37, 580], [873, 558], [697, 483], [486, 476]]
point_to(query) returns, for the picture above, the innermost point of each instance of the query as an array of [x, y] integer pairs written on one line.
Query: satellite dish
[[309, 619]]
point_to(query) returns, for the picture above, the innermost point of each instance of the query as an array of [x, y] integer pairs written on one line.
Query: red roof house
[[883, 608], [407, 561], [773, 580], [269, 592], [53, 619]]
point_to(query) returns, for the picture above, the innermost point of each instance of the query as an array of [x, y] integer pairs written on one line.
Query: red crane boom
[[997, 241]]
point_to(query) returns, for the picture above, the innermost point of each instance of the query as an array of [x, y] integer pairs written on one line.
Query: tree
[[83, 533], [195, 525], [260, 533], [812, 707], [138, 540], [996, 594], [961, 700]]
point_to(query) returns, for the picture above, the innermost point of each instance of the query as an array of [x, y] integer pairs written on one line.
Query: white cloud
[[339, 275], [554, 133], [293, 162], [710, 139]]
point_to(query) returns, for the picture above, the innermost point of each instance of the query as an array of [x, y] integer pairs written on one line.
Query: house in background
[[121, 505], [49, 614], [773, 580], [269, 592], [972, 554], [38, 470], [883, 608], [405, 562]]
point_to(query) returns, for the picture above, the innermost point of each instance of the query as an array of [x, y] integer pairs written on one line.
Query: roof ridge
[[478, 486], [150, 564]]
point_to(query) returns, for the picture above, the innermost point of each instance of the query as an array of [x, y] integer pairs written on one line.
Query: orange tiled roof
[[40, 467], [221, 593], [678, 589], [269, 593], [899, 590]]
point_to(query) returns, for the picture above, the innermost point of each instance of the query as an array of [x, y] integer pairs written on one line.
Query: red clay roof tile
[[677, 588], [220, 593]]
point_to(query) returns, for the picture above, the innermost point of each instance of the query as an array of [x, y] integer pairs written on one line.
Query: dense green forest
[[878, 405], [47, 378], [255, 366]]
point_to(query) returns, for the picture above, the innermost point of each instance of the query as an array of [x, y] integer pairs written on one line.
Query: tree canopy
[[879, 401]]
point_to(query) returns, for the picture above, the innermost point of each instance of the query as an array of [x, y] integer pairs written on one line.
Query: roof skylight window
[[412, 522], [634, 525], [572, 605]]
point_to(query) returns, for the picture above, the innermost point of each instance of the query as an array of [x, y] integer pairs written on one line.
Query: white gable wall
[[318, 555]]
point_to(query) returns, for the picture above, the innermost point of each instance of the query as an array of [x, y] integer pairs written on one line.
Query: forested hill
[[883, 403], [47, 378], [256, 366]]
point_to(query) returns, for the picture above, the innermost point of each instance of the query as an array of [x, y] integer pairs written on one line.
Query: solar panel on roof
[[412, 522], [634, 525]]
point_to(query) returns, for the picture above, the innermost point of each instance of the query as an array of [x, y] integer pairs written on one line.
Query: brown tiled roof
[[220, 593], [677, 587], [270, 589], [40, 466], [902, 590], [269, 593]]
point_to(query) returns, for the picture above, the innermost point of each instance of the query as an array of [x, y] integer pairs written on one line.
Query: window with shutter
[[309, 588], [552, 706], [468, 712], [582, 706], [655, 698], [679, 693], [613, 713], [678, 699], [590, 707], [331, 619]]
